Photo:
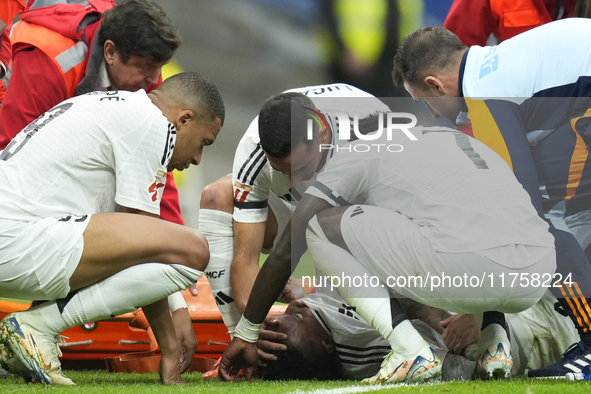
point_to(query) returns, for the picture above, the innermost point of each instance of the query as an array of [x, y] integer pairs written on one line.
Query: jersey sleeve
[[141, 159], [251, 179], [344, 180]]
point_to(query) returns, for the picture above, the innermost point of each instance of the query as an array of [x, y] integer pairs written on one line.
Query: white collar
[[102, 81]]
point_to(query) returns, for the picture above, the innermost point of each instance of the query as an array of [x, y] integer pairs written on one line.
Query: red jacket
[[9, 9], [39, 79], [474, 20], [5, 55]]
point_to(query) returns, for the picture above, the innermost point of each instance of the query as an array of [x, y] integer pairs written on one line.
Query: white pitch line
[[346, 390], [360, 388]]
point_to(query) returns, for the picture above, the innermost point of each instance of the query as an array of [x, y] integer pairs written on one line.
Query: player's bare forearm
[[242, 280], [277, 269], [158, 315], [248, 242], [183, 327], [269, 283], [429, 315], [242, 352]]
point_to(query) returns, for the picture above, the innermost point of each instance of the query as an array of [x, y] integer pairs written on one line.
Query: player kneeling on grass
[[62, 179], [446, 204]]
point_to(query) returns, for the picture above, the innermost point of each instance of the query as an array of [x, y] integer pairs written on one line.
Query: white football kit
[[444, 206], [538, 336], [360, 348], [84, 156], [258, 187]]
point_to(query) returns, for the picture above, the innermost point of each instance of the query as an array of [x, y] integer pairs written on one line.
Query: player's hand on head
[[238, 355], [270, 341], [186, 336], [460, 331]]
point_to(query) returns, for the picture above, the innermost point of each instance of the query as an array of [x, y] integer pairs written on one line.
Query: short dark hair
[[283, 123], [141, 28], [423, 50], [294, 365], [194, 91]]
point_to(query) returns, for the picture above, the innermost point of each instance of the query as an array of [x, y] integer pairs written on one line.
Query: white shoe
[[38, 351], [422, 367], [494, 359]]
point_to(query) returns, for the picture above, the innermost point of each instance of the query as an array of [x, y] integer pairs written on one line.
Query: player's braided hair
[[428, 48], [141, 28]]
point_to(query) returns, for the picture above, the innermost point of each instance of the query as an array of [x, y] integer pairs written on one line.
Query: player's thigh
[[115, 241], [38, 258], [218, 195], [379, 238]]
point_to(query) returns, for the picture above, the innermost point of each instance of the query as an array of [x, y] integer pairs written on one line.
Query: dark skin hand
[[269, 284], [269, 342], [431, 316], [460, 331]]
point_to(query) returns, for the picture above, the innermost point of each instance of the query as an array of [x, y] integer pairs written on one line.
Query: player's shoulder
[[120, 99], [120, 112], [249, 149], [251, 138]]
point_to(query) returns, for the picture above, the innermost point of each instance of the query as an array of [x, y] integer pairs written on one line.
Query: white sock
[[372, 303], [217, 226], [123, 292]]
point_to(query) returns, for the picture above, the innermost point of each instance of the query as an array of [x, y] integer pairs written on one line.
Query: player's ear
[[184, 118], [109, 51], [434, 85], [323, 134], [328, 344]]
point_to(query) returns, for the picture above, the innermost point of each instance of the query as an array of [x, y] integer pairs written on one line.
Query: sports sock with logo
[[217, 226]]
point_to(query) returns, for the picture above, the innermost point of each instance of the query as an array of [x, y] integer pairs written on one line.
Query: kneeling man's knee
[[218, 196], [194, 250]]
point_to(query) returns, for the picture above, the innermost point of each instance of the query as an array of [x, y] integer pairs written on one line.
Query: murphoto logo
[[349, 130]]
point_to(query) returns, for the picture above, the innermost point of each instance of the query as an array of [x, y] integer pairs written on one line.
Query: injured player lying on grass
[[446, 205], [320, 337]]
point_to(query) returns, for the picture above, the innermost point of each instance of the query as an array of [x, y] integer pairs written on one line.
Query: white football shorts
[[37, 259], [395, 249]]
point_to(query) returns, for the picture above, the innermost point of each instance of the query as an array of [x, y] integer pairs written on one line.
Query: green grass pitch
[[103, 382], [121, 383]]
